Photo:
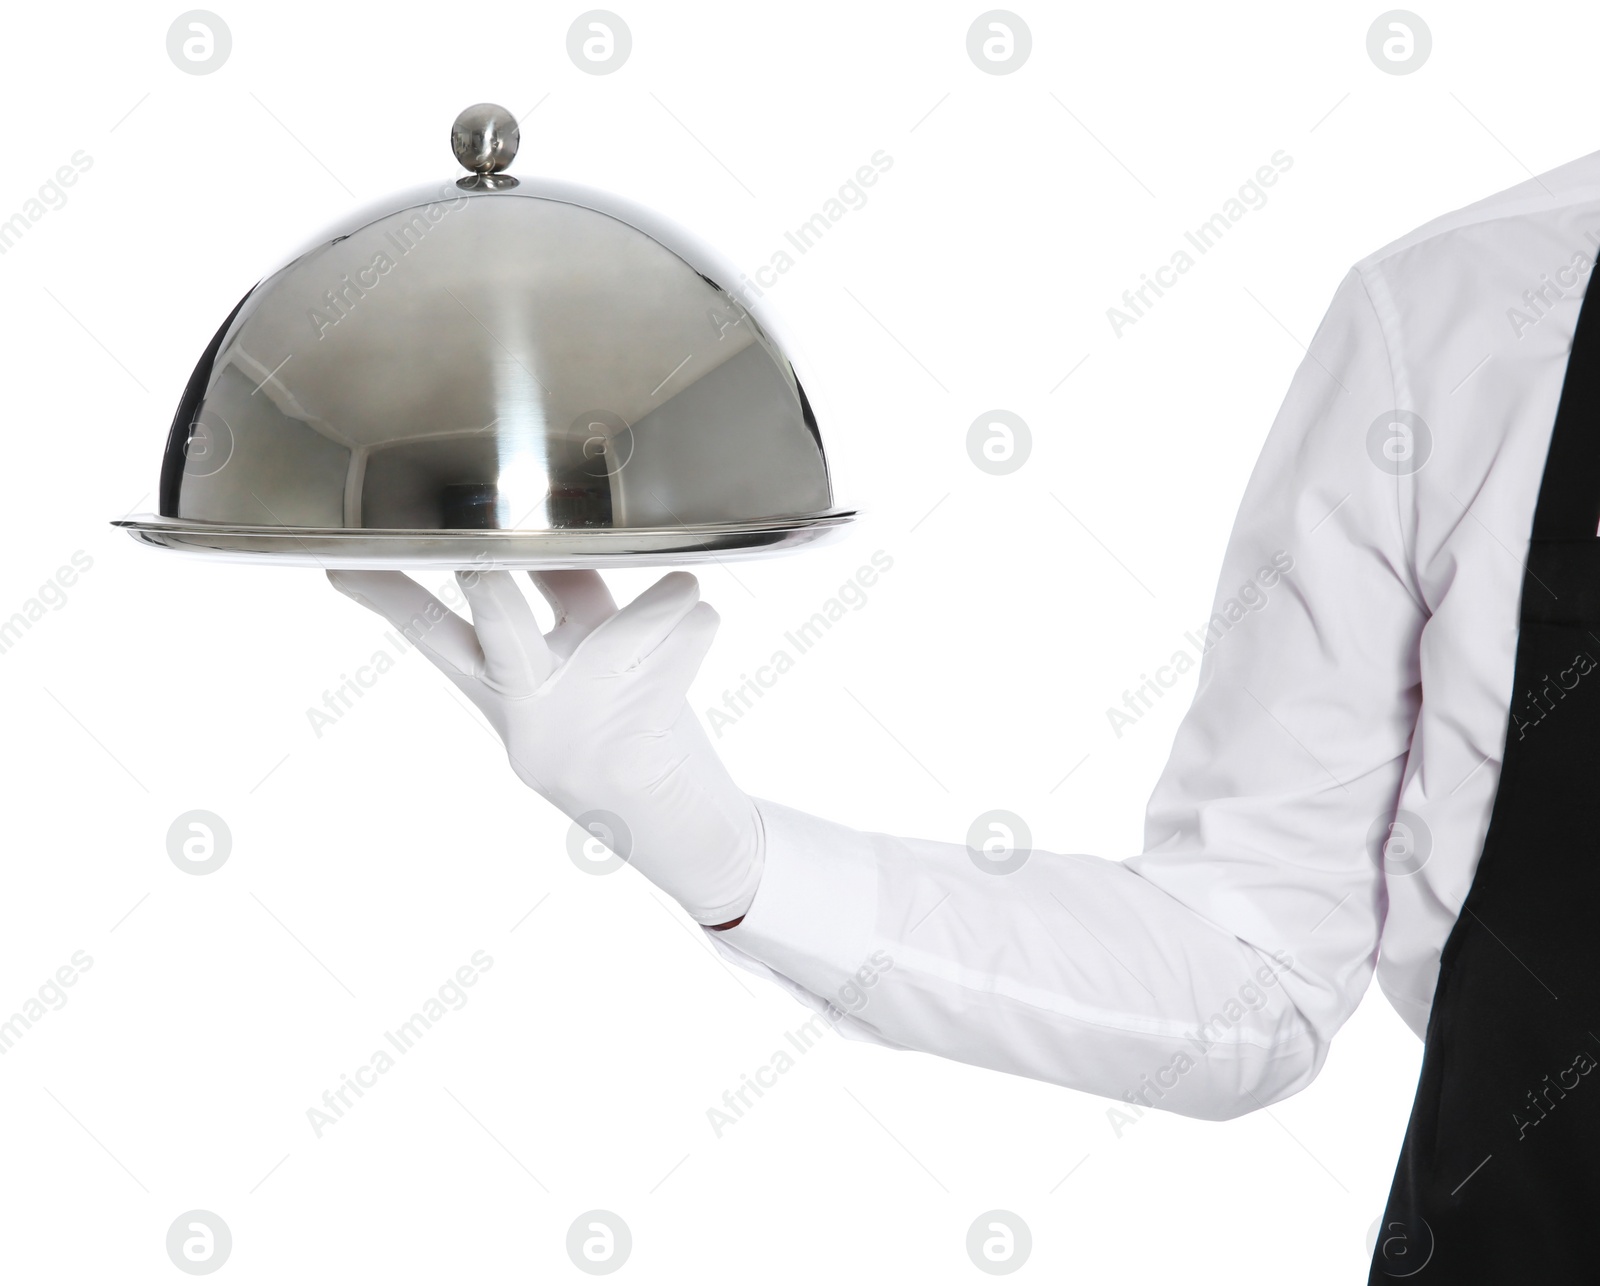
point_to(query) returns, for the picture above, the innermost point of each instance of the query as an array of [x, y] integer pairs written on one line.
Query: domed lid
[[494, 371]]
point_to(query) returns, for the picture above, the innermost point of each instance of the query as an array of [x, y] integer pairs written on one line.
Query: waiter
[[1392, 765]]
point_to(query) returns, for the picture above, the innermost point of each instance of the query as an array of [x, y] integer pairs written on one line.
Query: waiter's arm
[[1209, 974]]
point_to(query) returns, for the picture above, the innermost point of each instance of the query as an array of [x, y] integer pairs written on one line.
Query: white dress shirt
[[1208, 974]]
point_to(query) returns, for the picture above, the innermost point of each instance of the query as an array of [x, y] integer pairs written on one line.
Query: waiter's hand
[[594, 716]]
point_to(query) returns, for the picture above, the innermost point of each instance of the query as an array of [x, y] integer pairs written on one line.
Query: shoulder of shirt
[[1571, 186]]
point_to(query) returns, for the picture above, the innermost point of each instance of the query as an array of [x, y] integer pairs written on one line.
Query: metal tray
[[487, 549]]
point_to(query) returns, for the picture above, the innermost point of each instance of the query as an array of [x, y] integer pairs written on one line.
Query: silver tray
[[488, 549]]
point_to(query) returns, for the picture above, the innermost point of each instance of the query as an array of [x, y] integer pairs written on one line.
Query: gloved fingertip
[[703, 615], [675, 586], [470, 578]]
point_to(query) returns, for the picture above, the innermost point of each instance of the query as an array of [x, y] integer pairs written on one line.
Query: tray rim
[[464, 535], [754, 527], [542, 549]]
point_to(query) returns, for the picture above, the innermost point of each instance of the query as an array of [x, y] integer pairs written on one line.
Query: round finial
[[485, 137]]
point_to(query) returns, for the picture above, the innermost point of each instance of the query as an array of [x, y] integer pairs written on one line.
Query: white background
[[370, 862]]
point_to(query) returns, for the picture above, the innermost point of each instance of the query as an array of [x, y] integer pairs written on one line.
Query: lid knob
[[485, 137]]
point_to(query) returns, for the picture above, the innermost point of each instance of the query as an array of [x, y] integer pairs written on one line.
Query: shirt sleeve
[[1208, 975]]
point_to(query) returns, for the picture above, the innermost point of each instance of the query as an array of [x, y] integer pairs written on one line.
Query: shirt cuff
[[814, 917]]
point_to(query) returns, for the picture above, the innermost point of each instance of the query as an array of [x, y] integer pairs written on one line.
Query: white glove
[[594, 715]]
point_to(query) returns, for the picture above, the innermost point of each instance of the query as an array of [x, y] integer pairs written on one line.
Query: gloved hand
[[594, 715]]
